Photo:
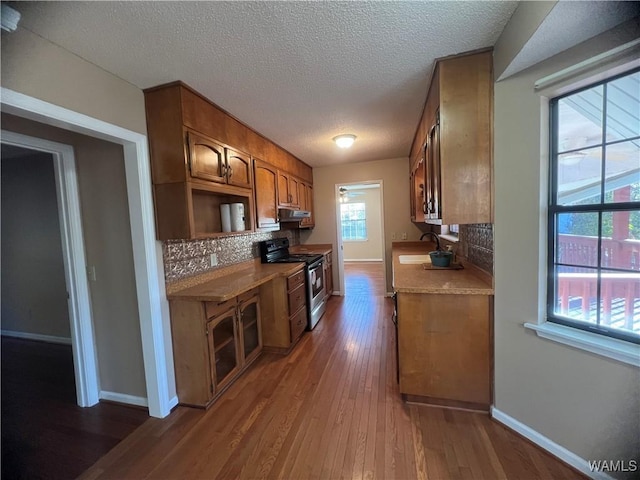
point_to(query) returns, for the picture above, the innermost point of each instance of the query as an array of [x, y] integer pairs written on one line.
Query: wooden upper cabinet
[[201, 157], [210, 160], [417, 188], [288, 190], [266, 195], [294, 186], [309, 222], [238, 168], [457, 123], [284, 197], [206, 158]]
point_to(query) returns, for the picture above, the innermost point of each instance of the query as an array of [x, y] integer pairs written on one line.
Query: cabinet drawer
[[298, 324], [297, 299], [295, 280], [216, 308]]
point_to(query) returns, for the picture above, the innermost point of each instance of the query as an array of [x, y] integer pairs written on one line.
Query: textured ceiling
[[297, 72]]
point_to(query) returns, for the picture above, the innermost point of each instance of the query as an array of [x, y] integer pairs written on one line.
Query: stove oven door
[[316, 292]]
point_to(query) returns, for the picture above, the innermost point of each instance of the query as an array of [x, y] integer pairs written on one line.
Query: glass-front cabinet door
[[250, 327], [223, 347]]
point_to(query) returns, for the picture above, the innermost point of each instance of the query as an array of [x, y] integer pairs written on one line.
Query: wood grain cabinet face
[[206, 158], [210, 160], [238, 168], [457, 125], [284, 312], [310, 222], [297, 303], [445, 348], [294, 185], [250, 328], [227, 334], [305, 200], [222, 333], [266, 195], [417, 188], [284, 193]]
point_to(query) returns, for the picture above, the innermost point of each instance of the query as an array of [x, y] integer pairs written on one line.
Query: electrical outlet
[[404, 235], [214, 259], [394, 236]]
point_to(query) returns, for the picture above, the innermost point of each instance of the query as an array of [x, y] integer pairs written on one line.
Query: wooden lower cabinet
[[213, 342], [445, 349], [284, 312]]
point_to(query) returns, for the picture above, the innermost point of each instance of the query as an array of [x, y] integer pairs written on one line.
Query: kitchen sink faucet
[[434, 235]]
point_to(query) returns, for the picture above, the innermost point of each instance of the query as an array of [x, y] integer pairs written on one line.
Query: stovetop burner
[[277, 251]]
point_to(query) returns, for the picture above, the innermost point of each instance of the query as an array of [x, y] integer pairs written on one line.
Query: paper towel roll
[[225, 217], [237, 217]]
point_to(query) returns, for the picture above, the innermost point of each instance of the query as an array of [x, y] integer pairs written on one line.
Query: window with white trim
[[594, 209], [353, 220]]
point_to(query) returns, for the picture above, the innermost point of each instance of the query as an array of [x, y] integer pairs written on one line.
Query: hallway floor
[[45, 434]]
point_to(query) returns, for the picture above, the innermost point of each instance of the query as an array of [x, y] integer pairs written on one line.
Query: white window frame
[[602, 67], [366, 238]]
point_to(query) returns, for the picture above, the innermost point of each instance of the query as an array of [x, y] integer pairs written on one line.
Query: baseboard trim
[[173, 402], [124, 398], [36, 336], [549, 445]]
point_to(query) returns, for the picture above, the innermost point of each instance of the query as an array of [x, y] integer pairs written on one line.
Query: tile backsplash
[[476, 242], [185, 258]]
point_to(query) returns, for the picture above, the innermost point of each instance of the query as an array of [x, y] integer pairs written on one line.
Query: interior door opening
[[361, 242], [45, 294]]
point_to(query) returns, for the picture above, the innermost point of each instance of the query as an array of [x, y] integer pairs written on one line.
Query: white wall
[[586, 403], [36, 67], [372, 247], [394, 174], [34, 293]]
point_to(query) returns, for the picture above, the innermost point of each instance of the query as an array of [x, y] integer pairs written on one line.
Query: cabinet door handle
[[229, 172], [424, 207]]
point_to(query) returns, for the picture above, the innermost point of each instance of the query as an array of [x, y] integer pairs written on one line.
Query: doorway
[[44, 287], [147, 252], [361, 245]]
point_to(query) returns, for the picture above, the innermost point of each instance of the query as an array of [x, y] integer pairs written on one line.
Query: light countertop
[[231, 282], [413, 278]]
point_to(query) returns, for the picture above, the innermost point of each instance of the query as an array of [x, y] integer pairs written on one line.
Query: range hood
[[287, 215]]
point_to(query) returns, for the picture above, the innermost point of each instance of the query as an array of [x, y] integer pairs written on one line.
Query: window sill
[[450, 238], [354, 240], [619, 350]]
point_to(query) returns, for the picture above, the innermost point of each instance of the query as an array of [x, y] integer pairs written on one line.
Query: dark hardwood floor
[[45, 435], [330, 409]]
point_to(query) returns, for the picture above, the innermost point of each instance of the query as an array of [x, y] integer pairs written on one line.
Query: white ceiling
[[297, 72]]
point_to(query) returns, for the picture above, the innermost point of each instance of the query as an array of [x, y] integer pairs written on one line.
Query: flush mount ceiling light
[[344, 141]]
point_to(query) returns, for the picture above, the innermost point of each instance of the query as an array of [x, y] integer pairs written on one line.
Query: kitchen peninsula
[[445, 331]]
